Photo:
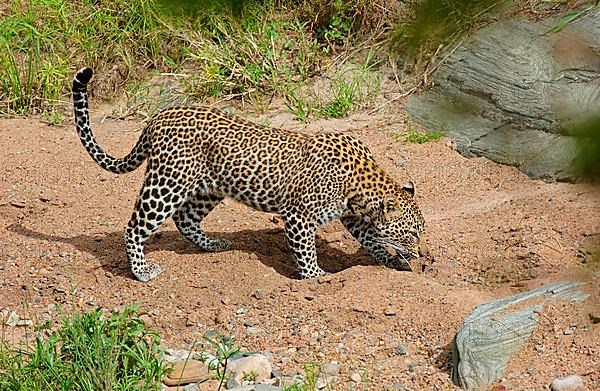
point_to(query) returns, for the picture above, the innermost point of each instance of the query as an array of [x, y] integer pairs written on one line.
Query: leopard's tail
[[82, 120]]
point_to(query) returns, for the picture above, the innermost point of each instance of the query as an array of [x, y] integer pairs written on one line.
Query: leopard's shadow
[[269, 245]]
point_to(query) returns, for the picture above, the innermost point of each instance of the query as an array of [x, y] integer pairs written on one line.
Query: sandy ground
[[492, 232]]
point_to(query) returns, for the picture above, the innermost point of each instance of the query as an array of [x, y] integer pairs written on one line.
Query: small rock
[[13, 319], [259, 294], [18, 204], [570, 330], [567, 383], [355, 377], [253, 330], [594, 318], [399, 386], [390, 311], [184, 372], [331, 368], [401, 350], [321, 383], [257, 364], [232, 384], [241, 311], [309, 297]]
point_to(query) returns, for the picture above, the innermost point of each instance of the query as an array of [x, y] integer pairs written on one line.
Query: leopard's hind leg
[[190, 214], [159, 199]]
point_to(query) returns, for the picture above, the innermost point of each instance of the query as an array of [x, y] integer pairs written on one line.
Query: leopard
[[198, 155]]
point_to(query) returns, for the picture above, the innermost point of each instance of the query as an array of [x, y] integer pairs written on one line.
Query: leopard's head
[[399, 222]]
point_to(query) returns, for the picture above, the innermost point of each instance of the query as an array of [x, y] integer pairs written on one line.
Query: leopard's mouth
[[401, 251], [420, 250]]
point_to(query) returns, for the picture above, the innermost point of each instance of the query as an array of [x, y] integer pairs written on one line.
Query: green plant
[[300, 107], [55, 118], [225, 349], [569, 16], [311, 376], [263, 53], [410, 135], [250, 376], [351, 87], [88, 352], [338, 30]]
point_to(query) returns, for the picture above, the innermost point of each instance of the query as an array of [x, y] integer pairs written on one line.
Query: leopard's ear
[[409, 187]]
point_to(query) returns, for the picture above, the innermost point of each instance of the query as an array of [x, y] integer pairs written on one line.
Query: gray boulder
[[512, 93], [496, 330]]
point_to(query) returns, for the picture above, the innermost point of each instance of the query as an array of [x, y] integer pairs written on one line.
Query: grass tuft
[[88, 352], [411, 135]]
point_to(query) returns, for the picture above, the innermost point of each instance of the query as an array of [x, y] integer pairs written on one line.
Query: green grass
[[351, 87], [247, 50], [43, 41], [88, 352], [411, 135]]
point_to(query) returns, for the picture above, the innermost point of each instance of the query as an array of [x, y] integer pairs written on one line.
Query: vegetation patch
[[89, 351], [411, 135]]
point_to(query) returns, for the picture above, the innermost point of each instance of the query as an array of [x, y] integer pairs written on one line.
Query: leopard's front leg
[[300, 234], [366, 235]]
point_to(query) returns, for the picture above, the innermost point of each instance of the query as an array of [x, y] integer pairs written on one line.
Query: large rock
[[496, 330], [512, 93]]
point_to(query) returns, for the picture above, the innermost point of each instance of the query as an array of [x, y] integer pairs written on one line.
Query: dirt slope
[[491, 230]]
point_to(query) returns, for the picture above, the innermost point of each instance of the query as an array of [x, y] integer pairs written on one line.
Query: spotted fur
[[198, 155]]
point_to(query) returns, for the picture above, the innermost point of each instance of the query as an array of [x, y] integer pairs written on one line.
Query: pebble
[[355, 377], [253, 330], [259, 294], [570, 330], [331, 368], [401, 350], [13, 319], [321, 383], [567, 383]]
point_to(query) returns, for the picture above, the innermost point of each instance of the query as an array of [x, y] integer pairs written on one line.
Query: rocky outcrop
[[495, 331], [512, 94]]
